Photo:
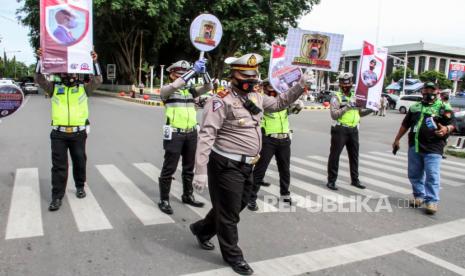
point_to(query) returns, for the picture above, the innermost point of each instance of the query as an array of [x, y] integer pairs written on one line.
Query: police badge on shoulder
[[167, 132]]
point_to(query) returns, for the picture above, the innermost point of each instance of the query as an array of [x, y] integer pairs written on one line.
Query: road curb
[[315, 108], [159, 103], [129, 99]]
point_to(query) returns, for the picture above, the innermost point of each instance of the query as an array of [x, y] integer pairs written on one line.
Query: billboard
[[370, 76], [314, 50], [66, 36], [11, 99], [456, 71]]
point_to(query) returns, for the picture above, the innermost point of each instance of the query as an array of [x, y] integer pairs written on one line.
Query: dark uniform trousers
[[230, 184], [343, 136], [76, 144], [181, 144], [281, 149]]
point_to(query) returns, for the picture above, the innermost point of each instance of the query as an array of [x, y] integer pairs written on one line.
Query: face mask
[[428, 98], [445, 98], [72, 24], [247, 85], [68, 80]]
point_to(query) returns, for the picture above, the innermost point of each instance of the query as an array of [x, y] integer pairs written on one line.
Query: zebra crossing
[[384, 174]]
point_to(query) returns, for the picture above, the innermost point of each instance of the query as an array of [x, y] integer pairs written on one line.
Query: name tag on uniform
[[61, 90], [167, 132], [74, 90]]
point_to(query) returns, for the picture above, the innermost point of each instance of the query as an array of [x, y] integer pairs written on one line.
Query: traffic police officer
[[228, 147], [344, 131], [70, 124], [180, 131], [276, 142]]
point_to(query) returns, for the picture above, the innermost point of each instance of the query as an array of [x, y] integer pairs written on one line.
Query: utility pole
[[151, 79], [140, 58], [161, 75], [405, 72]]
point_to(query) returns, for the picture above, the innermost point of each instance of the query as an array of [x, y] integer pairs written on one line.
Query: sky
[[401, 21]]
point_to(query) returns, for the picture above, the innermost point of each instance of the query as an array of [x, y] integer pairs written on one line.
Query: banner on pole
[[456, 71], [370, 76], [66, 36], [314, 50], [281, 76]]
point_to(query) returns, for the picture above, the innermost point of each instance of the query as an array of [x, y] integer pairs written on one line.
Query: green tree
[[436, 77], [248, 26]]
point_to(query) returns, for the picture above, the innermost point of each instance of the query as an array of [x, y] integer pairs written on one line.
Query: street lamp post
[[405, 63], [14, 57], [151, 79], [161, 75]]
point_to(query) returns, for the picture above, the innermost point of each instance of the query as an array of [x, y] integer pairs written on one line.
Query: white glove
[[200, 182], [307, 78], [297, 107]]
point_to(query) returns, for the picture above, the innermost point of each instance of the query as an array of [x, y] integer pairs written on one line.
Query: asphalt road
[[117, 229]]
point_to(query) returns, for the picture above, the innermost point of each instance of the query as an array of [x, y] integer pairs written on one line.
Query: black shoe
[[80, 193], [332, 186], [252, 206], [165, 207], [358, 185], [206, 245], [54, 205], [242, 268], [286, 199], [190, 199], [265, 184]]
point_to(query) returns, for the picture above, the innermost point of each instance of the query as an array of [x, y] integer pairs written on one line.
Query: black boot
[[54, 205], [332, 186], [252, 206], [358, 185], [164, 184], [204, 244], [188, 192], [80, 192]]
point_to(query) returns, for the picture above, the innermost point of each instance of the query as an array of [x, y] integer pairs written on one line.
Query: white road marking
[[374, 181], [153, 172], [87, 213], [25, 216], [437, 261], [139, 203], [349, 253], [324, 193], [341, 184], [444, 169]]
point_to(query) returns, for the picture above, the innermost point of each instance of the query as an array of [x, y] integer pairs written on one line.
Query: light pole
[[14, 57], [151, 79], [405, 63], [161, 76]]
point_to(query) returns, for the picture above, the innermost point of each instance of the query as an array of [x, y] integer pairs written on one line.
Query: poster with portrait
[[314, 50], [66, 36], [282, 76], [206, 32], [11, 100], [370, 76]]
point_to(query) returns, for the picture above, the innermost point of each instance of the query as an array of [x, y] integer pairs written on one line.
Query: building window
[[411, 63], [442, 65], [432, 63], [421, 64], [346, 66]]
